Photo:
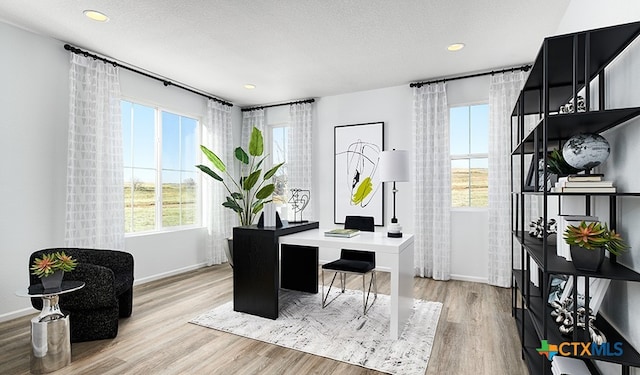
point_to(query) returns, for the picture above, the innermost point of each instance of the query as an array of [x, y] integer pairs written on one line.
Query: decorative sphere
[[585, 151]]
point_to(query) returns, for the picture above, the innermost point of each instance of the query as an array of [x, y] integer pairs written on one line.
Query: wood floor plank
[[476, 334]]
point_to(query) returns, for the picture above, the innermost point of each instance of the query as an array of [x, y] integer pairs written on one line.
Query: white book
[[586, 190], [585, 177], [569, 366], [347, 233], [533, 274], [567, 184], [562, 248]]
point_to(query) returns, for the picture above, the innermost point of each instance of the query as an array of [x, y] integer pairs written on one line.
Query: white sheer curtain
[[299, 165], [251, 119], [95, 176], [503, 93], [217, 135], [432, 182]]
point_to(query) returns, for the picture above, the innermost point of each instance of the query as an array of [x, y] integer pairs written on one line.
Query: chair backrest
[[359, 255], [363, 223]]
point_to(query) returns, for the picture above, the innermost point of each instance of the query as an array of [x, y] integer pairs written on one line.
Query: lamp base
[[394, 229]]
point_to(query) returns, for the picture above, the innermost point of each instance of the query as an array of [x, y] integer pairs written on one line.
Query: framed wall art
[[357, 187]]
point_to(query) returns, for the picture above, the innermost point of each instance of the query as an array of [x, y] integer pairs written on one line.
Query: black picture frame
[[529, 184], [356, 150], [537, 172]]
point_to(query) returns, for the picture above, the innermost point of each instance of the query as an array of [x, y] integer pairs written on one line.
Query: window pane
[[479, 182], [144, 200], [170, 198], [170, 141], [143, 144], [126, 108], [147, 132], [459, 130], [479, 128], [188, 197], [460, 183], [189, 146]]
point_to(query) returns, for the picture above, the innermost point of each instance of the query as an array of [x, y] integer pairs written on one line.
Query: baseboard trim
[[473, 279], [163, 275], [17, 314]]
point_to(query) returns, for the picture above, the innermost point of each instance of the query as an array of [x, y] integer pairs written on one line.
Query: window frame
[[158, 110], [269, 141], [470, 156]]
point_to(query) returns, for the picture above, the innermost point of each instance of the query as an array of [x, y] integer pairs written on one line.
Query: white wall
[[33, 143], [33, 147], [622, 300]]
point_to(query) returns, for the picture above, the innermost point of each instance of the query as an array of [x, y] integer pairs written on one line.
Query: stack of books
[[342, 233], [584, 183]]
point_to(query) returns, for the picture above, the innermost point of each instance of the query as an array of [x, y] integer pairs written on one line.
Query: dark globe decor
[[585, 151]]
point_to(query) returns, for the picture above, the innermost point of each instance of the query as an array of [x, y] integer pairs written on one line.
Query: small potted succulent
[[50, 268], [588, 242]]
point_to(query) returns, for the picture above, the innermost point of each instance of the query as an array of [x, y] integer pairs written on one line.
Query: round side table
[[50, 338]]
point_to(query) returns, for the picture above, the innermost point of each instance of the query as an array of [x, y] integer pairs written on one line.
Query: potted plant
[[50, 268], [248, 195], [558, 166], [594, 238]]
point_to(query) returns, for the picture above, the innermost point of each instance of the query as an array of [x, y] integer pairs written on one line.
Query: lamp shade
[[394, 165]]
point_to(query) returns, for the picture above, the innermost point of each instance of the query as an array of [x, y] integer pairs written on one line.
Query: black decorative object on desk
[[261, 221], [299, 201]]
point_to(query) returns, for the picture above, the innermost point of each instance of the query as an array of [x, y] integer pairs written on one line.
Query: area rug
[[339, 331]]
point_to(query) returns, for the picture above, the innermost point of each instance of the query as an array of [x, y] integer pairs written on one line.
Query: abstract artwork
[[357, 187]]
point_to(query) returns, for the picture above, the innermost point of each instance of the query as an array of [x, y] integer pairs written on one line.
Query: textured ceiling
[[295, 49]]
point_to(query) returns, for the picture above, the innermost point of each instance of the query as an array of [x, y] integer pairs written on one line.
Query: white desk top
[[374, 241]]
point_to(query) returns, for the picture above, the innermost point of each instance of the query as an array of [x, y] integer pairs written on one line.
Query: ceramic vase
[[587, 260], [53, 281]]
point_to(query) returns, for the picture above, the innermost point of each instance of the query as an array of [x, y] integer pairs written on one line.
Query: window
[[159, 153], [278, 149], [469, 133]]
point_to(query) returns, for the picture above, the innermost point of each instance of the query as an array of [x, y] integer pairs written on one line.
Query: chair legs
[[343, 282], [375, 291]]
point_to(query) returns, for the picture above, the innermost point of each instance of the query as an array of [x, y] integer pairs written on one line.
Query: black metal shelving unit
[[565, 66]]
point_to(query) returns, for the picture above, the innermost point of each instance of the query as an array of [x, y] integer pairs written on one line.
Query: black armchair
[[106, 296]]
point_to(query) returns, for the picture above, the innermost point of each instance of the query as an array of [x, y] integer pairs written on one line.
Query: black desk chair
[[356, 262]]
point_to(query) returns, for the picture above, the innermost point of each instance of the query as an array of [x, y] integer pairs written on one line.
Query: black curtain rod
[[277, 105], [164, 81], [420, 84]]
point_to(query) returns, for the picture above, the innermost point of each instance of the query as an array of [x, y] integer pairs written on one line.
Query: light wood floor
[[476, 334]]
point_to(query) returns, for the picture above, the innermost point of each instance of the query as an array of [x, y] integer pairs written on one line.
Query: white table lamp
[[394, 167]]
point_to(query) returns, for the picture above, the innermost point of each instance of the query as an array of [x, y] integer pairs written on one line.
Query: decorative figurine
[[299, 200], [537, 228]]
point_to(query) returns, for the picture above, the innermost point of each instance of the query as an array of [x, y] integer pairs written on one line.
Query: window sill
[[164, 231]]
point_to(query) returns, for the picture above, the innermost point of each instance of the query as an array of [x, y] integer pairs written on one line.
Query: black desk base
[[256, 267], [299, 268]]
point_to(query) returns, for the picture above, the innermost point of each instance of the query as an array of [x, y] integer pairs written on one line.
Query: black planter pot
[[587, 260]]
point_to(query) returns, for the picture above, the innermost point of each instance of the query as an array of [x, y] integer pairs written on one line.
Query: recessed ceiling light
[[249, 86], [455, 47], [96, 16]]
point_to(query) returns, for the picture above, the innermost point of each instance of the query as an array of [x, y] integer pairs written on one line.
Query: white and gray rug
[[339, 331]]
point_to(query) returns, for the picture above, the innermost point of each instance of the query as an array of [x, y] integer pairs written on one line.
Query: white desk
[[397, 252]]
